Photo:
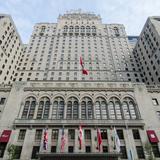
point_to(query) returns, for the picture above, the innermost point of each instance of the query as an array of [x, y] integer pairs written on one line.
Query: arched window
[[129, 109], [93, 29], [101, 108], [111, 110], [82, 29], [71, 29], [29, 108], [114, 106], [86, 108], [72, 108], [76, 28], [43, 108], [65, 28], [58, 108], [88, 29]]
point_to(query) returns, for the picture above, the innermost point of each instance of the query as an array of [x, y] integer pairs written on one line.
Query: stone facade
[[48, 91]]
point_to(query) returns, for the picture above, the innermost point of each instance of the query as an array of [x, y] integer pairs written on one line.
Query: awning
[[152, 136], [78, 156], [5, 136]]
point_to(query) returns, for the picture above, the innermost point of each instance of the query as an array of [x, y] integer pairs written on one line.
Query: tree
[[148, 150], [11, 151]]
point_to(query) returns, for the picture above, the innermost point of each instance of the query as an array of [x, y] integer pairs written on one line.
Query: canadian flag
[[84, 71], [99, 139]]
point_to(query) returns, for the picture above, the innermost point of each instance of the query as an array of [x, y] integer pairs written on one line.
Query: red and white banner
[[99, 139], [152, 136], [84, 71], [5, 136]]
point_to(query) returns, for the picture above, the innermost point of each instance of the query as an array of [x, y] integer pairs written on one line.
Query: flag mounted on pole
[[63, 140], [45, 139], [84, 71], [116, 140], [99, 139], [80, 137]]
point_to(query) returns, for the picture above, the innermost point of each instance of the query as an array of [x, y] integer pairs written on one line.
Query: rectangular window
[[54, 134], [104, 133], [2, 101], [70, 149], [120, 133], [155, 101], [34, 152], [71, 134], [18, 150], [155, 150], [140, 152], [22, 133], [87, 134], [158, 114], [2, 149], [136, 134], [105, 149], [123, 152], [53, 149], [38, 135], [88, 149]]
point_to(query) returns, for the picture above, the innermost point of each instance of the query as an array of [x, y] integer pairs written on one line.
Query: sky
[[132, 13]]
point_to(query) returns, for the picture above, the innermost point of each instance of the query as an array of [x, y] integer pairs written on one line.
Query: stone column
[[130, 144], [59, 141], [94, 140], [28, 144]]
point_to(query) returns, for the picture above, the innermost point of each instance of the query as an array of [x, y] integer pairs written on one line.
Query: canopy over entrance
[[78, 156]]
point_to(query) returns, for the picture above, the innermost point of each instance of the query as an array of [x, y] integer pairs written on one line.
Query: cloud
[[132, 14]]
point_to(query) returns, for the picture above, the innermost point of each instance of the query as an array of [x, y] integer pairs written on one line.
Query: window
[[71, 134], [70, 149], [104, 133], [54, 134], [22, 133], [53, 149], [43, 108], [124, 153], [88, 149], [18, 150], [129, 109], [120, 133], [101, 108], [87, 134], [155, 101], [136, 134], [29, 108], [105, 149], [38, 135], [155, 150], [140, 152], [158, 114], [86, 108], [34, 152], [2, 101], [2, 149], [58, 108], [72, 108]]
